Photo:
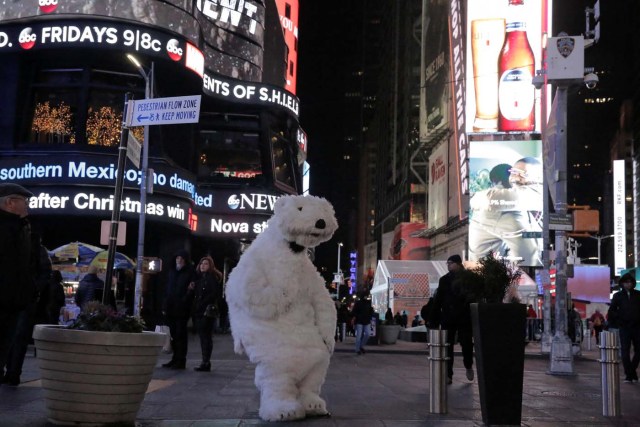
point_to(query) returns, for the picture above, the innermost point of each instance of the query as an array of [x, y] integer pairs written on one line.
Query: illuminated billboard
[[504, 48], [505, 216], [619, 217], [438, 186], [288, 12]]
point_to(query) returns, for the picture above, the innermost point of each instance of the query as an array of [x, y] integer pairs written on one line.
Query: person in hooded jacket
[[176, 308], [624, 311], [206, 291]]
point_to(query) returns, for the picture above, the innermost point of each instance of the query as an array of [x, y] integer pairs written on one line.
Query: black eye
[[300, 208]]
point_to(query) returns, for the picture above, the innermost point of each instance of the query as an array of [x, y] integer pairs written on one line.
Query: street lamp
[[339, 270], [338, 276], [600, 239], [148, 94]]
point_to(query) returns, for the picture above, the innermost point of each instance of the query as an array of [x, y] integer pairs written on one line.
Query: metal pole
[[545, 342], [438, 370], [117, 198], [599, 242], [561, 353], [137, 300], [338, 269], [610, 371]]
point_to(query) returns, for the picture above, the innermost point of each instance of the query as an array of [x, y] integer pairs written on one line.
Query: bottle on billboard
[[487, 39], [516, 94]]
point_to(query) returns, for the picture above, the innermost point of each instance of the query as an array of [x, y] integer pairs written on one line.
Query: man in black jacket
[[625, 311], [177, 308], [17, 275], [362, 312], [450, 311]]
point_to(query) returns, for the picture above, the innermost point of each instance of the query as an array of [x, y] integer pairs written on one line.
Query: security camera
[[591, 80], [538, 81]]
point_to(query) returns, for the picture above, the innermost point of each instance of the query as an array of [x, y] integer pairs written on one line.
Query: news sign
[[506, 203], [500, 96]]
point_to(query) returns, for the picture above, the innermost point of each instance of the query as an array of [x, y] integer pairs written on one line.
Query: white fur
[[281, 313]]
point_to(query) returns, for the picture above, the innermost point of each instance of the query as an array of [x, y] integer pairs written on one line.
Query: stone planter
[[94, 378], [388, 333]]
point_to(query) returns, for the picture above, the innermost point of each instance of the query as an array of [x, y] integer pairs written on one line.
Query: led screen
[[506, 200]]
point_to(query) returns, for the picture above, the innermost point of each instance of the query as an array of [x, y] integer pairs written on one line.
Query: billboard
[[288, 12], [505, 216], [504, 48], [619, 219], [438, 186], [434, 81]]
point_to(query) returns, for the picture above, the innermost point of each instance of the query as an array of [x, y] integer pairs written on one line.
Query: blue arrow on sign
[[141, 118]]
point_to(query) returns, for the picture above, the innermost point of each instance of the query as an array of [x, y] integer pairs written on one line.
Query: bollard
[[610, 365], [438, 366]]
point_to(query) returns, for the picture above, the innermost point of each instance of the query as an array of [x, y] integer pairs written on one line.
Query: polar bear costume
[[281, 314]]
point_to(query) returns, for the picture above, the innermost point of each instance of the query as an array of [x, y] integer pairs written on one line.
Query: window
[[229, 154], [78, 106], [282, 159]]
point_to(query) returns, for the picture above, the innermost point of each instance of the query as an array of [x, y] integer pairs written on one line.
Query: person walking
[[362, 312], [597, 324], [17, 272], [206, 292], [176, 308], [451, 312], [625, 312]]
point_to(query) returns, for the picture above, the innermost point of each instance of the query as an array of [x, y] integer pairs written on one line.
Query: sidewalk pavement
[[389, 386]]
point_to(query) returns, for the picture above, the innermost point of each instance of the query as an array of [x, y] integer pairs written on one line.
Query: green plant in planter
[[99, 317], [490, 281]]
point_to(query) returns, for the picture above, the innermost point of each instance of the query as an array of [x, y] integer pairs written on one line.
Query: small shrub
[[99, 317], [493, 280]]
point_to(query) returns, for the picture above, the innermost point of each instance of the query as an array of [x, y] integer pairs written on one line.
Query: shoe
[[204, 367], [362, 350], [634, 377], [169, 364], [358, 353], [178, 365], [470, 374], [11, 381], [628, 380], [449, 380]]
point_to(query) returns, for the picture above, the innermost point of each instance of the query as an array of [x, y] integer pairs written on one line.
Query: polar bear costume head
[[303, 221]]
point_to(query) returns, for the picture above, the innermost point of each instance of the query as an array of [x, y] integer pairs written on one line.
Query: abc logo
[[233, 202], [47, 6], [27, 39], [174, 50]]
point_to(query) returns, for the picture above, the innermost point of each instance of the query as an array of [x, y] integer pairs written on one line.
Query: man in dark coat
[[17, 275], [625, 312], [177, 307], [362, 312], [450, 310], [90, 287]]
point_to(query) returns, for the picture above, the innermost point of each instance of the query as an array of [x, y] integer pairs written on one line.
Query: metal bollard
[[610, 365], [438, 366]]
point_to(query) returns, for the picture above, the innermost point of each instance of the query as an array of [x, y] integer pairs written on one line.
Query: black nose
[[321, 224]]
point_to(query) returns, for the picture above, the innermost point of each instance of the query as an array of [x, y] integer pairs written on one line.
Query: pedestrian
[[625, 312], [531, 322], [176, 308], [90, 288], [362, 312], [398, 318], [17, 272], [206, 293], [451, 311], [342, 318], [405, 319], [55, 298], [597, 324]]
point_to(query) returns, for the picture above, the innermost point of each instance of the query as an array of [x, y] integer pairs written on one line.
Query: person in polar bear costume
[[281, 314]]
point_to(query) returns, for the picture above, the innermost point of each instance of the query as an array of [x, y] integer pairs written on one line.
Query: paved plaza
[[389, 386]]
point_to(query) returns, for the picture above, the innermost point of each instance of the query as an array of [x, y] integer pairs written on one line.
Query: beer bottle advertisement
[[504, 48]]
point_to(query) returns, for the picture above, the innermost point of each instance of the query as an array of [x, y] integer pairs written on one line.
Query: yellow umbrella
[[121, 260]]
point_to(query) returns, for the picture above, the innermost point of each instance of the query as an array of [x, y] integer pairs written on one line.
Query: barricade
[[610, 366], [438, 366]]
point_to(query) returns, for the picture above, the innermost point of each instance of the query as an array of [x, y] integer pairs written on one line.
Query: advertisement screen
[[619, 219], [438, 186], [288, 12], [505, 216], [434, 94], [504, 48]]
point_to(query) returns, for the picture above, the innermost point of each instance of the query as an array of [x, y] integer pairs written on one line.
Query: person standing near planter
[[17, 275], [176, 308], [625, 311], [207, 295], [362, 312], [451, 311], [90, 287]]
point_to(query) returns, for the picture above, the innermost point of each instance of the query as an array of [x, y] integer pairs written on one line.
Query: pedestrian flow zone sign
[[164, 111]]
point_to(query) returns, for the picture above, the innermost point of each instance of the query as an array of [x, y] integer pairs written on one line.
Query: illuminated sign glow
[[619, 218]]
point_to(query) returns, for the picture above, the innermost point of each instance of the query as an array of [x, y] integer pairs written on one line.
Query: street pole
[[338, 269], [600, 239], [338, 275], [561, 351], [148, 94], [117, 198]]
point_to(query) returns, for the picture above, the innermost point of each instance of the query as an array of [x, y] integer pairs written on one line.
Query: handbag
[[164, 329], [211, 310]]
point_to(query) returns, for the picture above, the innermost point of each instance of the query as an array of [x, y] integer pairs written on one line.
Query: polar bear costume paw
[[281, 410], [314, 405]]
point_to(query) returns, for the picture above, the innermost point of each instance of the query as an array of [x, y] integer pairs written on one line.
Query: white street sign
[[164, 111], [133, 149]]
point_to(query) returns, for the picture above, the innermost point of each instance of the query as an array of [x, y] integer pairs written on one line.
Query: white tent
[[405, 285]]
